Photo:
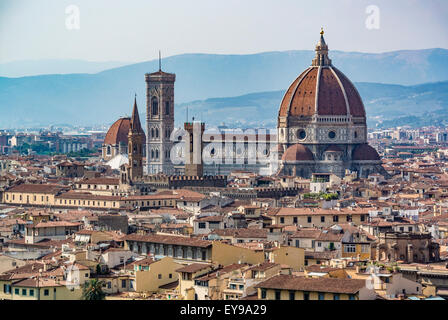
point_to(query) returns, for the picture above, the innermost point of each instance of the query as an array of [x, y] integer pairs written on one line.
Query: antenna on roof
[[160, 61]]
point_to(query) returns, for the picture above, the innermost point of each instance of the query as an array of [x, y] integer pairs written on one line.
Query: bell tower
[[159, 120], [136, 138]]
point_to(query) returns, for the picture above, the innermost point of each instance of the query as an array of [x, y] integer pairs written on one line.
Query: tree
[[93, 290]]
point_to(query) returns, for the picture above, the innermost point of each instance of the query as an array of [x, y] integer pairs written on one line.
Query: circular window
[[331, 134], [301, 134]]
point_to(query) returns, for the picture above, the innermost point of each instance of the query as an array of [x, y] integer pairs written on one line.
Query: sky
[[134, 30]]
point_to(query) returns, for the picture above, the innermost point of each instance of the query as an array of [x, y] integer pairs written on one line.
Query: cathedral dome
[[322, 90], [118, 132], [298, 152], [364, 152]]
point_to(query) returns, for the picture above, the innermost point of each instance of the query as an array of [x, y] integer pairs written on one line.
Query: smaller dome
[[365, 152], [298, 152], [118, 132]]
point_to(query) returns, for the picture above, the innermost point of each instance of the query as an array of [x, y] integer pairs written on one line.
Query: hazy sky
[[134, 30]]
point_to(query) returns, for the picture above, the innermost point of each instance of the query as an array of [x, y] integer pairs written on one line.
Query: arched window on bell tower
[[167, 107], [155, 106]]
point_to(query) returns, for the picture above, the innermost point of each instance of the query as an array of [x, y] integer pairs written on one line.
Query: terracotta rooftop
[[194, 267], [38, 188], [332, 285]]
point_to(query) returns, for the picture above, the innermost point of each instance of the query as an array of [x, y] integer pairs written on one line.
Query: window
[[349, 218], [159, 276], [167, 107], [294, 220], [363, 217], [109, 285], [31, 292], [336, 296], [297, 243], [332, 135], [282, 220], [277, 294], [319, 244], [263, 293], [350, 248], [306, 296], [23, 292], [301, 134], [46, 292], [7, 288], [291, 295], [155, 106], [321, 296], [322, 219], [201, 225], [123, 283], [309, 219], [365, 248], [16, 291], [170, 276], [335, 218], [352, 297]]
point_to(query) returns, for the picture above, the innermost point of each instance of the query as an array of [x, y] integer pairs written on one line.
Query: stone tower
[[159, 121], [136, 138], [193, 148]]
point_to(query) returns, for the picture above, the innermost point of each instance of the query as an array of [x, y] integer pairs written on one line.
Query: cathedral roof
[[322, 90], [118, 132], [333, 148], [298, 152], [365, 152]]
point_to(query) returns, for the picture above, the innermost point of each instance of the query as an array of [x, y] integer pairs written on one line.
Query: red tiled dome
[[298, 152], [118, 132], [365, 152], [323, 90]]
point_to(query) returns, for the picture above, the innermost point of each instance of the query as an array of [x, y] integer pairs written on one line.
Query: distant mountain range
[[24, 68], [385, 104], [394, 87]]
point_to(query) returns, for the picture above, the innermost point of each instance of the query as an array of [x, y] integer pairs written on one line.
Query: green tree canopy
[[93, 290]]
